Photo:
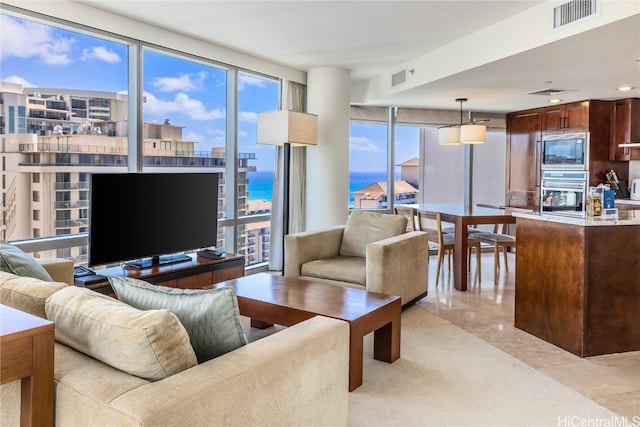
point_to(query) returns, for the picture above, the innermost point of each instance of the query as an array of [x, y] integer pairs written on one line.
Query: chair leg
[[506, 265], [479, 262], [438, 265], [496, 263]]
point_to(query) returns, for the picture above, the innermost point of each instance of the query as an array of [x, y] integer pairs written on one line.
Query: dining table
[[462, 216]]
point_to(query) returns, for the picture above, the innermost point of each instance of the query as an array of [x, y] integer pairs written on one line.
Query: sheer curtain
[[294, 99]]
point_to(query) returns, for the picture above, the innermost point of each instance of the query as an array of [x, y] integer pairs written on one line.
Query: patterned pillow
[[14, 260], [150, 344], [210, 316]]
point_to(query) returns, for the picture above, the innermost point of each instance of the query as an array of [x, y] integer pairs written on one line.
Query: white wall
[[443, 170]]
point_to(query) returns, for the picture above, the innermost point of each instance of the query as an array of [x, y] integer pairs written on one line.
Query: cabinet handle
[[565, 122], [537, 165]]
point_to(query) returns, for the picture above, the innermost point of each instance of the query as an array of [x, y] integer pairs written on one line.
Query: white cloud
[[362, 143], [193, 137], [185, 83], [25, 39], [247, 116], [18, 80], [182, 104], [248, 80], [100, 53]]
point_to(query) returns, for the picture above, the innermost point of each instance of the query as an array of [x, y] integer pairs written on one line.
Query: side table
[[26, 353]]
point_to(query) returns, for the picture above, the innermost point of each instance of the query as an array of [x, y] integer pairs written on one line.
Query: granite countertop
[[628, 202], [625, 217]]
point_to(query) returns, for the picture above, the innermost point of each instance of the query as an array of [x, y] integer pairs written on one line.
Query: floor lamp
[[286, 128]]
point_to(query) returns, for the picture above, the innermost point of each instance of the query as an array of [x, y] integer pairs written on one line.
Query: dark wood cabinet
[[523, 159], [525, 130], [569, 294], [625, 128], [565, 118], [194, 274]]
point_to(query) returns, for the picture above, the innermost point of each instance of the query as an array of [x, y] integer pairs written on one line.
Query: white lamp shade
[[449, 135], [282, 126], [473, 134]]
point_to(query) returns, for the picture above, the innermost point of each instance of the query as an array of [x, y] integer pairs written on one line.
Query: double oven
[[565, 175], [564, 192]]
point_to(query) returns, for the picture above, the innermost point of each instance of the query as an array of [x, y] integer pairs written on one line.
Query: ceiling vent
[[574, 11], [550, 92], [398, 78]]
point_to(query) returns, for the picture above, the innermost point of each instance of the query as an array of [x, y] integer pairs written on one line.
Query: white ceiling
[[373, 39]]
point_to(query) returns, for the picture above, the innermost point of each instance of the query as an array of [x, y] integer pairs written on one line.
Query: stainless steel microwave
[[568, 151]]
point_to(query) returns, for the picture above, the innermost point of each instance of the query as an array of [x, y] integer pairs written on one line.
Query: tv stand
[[158, 260], [194, 274]]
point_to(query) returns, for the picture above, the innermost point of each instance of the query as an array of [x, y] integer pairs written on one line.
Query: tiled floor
[[487, 311]]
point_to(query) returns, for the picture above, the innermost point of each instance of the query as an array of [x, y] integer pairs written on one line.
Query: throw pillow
[[365, 227], [149, 344], [210, 316], [26, 293], [14, 260]]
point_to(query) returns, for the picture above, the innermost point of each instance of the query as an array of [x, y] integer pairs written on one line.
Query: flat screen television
[[146, 219]]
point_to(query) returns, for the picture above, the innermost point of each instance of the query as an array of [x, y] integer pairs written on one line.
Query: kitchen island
[[578, 281]]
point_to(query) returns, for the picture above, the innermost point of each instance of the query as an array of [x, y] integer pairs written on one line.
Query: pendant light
[[464, 133]]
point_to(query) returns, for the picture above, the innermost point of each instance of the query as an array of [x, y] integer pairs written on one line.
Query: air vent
[[399, 78], [573, 11], [550, 92]]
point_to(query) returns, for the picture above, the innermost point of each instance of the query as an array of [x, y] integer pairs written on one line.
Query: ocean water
[[261, 183]]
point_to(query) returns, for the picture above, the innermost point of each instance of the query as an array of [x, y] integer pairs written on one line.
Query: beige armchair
[[373, 251]]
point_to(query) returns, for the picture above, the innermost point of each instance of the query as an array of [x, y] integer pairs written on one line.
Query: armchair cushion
[[14, 260], [210, 316], [342, 268], [149, 344], [365, 227]]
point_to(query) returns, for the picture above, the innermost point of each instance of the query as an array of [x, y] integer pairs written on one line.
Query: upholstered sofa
[[298, 376], [372, 251]]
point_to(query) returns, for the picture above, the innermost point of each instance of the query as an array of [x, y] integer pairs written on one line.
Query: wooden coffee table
[[269, 299]]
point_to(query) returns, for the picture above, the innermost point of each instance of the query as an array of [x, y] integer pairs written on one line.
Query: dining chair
[[500, 240], [409, 213], [445, 242]]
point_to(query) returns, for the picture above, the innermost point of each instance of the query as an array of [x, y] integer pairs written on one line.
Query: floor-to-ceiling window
[[370, 171], [64, 96], [256, 166], [67, 96]]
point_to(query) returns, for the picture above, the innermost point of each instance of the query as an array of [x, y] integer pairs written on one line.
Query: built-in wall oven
[[564, 192], [567, 151]]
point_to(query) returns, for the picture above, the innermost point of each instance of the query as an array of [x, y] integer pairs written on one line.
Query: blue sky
[[188, 93]]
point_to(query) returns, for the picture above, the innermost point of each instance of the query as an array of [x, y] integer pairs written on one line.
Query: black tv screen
[[133, 216]]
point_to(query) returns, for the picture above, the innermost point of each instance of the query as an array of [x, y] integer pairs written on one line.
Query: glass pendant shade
[[473, 134], [449, 135]]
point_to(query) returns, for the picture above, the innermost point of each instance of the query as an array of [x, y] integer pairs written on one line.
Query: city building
[[374, 196], [53, 139]]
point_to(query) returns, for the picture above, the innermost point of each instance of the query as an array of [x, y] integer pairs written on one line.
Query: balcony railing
[[63, 223], [68, 204]]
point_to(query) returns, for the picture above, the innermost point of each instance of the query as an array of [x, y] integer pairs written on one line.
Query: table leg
[[355, 360], [259, 324], [37, 390], [460, 255], [386, 342]]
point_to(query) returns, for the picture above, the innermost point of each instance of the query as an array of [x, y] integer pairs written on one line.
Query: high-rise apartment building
[[51, 140]]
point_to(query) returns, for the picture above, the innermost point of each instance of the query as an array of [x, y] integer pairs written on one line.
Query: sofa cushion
[[14, 260], [26, 293], [150, 344], [210, 316], [365, 227], [342, 268]]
